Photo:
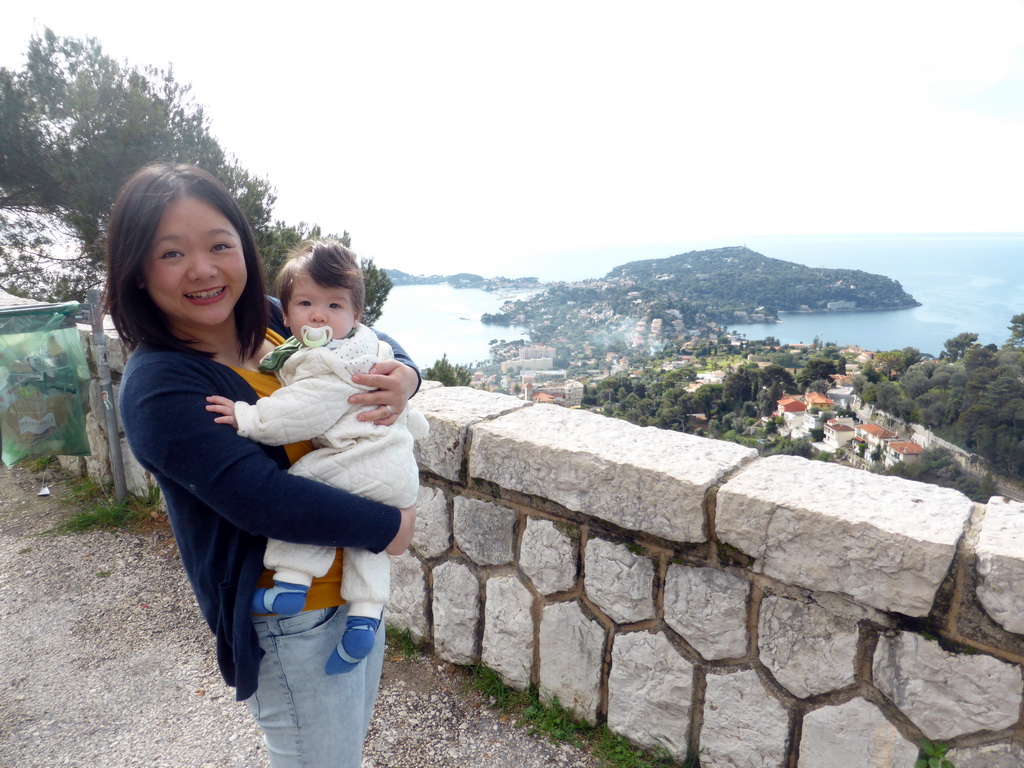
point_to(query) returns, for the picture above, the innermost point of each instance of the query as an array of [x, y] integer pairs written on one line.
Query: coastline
[[959, 283], [915, 305]]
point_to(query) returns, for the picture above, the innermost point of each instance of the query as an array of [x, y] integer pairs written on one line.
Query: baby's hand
[[226, 409]]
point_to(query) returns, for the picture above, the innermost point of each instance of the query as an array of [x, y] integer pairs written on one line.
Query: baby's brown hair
[[329, 264]]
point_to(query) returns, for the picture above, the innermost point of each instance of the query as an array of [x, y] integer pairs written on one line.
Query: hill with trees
[[973, 395], [738, 278]]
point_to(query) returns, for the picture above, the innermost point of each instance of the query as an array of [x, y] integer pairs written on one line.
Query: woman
[[186, 293]]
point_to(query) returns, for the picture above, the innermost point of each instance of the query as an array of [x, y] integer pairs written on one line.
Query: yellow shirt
[[325, 590]]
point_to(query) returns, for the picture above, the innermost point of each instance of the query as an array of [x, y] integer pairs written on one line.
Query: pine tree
[[448, 374]]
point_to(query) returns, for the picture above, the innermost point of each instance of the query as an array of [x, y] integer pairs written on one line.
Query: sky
[[499, 138]]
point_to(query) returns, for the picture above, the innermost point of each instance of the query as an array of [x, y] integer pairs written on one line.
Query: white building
[[838, 432], [528, 364]]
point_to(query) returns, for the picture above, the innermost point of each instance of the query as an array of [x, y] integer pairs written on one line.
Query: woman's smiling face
[[195, 270]]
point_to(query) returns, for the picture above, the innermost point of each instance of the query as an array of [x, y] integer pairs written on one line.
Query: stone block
[[508, 630], [136, 479], [808, 649], [549, 557], [450, 411], [485, 531], [97, 463], [456, 612], [947, 694], [642, 479], [92, 400], [990, 756], [708, 607], [885, 541], [117, 352], [744, 727], [407, 606], [73, 465], [1000, 562], [650, 688], [433, 523], [571, 648], [618, 581], [853, 734]]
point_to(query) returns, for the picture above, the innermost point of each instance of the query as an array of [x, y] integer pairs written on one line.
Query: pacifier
[[316, 337]]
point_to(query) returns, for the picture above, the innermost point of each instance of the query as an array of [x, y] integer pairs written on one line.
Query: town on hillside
[[815, 416], [876, 411]]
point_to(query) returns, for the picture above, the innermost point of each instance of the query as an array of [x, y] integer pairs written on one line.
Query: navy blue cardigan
[[226, 495]]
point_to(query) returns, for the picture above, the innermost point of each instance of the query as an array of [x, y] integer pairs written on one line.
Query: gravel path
[[106, 663]]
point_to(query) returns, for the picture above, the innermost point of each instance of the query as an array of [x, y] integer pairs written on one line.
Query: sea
[[431, 321], [964, 282]]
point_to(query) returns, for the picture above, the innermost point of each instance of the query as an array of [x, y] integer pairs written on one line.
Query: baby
[[322, 292]]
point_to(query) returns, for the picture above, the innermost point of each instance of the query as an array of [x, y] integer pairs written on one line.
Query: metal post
[[99, 342]]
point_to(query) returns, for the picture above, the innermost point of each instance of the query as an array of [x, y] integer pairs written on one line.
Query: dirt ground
[[24, 512]]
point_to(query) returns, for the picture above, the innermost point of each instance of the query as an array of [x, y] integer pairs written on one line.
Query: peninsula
[[739, 279], [724, 285]]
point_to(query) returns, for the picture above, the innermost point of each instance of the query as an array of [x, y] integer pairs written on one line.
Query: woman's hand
[[394, 383], [406, 529]]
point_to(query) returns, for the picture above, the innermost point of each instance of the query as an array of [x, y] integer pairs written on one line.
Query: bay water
[[971, 282], [434, 320], [965, 282]]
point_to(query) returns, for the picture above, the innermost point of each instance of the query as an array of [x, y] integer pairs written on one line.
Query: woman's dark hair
[[330, 265], [133, 222]]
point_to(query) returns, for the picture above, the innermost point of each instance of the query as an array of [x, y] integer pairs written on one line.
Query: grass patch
[[561, 725], [38, 463], [99, 510], [489, 684], [401, 643]]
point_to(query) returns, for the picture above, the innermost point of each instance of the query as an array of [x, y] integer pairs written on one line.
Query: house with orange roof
[[544, 397], [792, 411], [902, 452], [817, 400], [790, 405], [874, 435]]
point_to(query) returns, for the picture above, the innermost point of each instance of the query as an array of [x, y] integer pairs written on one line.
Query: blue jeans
[[311, 719]]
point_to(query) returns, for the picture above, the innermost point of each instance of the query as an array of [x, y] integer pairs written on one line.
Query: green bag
[[44, 378]]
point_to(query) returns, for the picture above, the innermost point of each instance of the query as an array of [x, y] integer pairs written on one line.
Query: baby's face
[[316, 306]]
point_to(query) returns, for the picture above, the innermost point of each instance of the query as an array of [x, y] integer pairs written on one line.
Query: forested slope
[[741, 279]]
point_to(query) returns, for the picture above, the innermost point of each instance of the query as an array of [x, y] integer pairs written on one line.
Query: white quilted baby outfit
[[357, 456]]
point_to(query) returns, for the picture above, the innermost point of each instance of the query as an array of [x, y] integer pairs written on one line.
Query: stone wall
[[767, 612]]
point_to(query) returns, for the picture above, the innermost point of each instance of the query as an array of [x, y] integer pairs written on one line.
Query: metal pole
[[99, 342]]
